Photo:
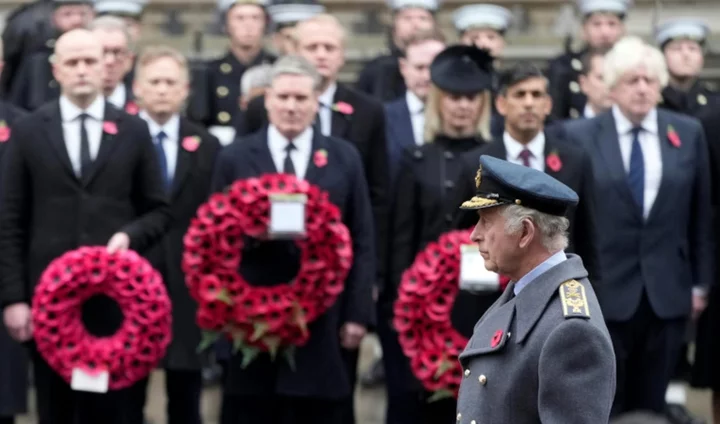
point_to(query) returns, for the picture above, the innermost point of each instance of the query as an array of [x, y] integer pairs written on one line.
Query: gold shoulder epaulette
[[574, 301]]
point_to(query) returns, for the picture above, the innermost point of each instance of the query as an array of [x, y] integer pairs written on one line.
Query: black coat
[[190, 188], [220, 78], [691, 102], [13, 356], [47, 210], [365, 128], [320, 370], [381, 78], [576, 173], [563, 74]]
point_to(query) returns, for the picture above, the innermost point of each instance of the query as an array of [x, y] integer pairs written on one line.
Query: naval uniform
[[563, 74], [690, 102]]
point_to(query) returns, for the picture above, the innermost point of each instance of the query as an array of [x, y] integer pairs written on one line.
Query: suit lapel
[[496, 149], [407, 138], [340, 121], [108, 142], [185, 158], [552, 147], [315, 173], [54, 132], [261, 157], [669, 155], [609, 147]]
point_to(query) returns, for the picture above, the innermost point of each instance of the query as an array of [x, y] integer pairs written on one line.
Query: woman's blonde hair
[[433, 119]]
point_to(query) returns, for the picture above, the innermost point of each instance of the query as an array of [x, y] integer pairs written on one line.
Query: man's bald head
[[77, 64]]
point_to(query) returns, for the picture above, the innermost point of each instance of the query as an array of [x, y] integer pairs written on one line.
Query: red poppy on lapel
[[4, 132], [191, 143], [673, 137], [496, 339], [132, 108], [320, 158], [110, 127], [504, 281], [553, 161], [344, 108]]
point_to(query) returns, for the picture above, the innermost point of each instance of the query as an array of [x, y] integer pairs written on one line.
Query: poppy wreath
[[135, 349], [263, 319], [422, 310]]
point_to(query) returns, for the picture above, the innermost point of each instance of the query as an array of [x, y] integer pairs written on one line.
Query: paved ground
[[371, 403]]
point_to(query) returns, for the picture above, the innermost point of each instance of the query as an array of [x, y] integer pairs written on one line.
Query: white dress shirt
[[417, 116], [171, 142], [70, 115], [536, 146], [327, 100], [652, 156], [300, 155], [588, 112], [118, 96]]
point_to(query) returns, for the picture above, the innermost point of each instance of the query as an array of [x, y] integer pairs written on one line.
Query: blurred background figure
[[284, 16]]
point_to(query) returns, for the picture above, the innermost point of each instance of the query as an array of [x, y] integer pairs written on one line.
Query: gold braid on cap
[[478, 177], [478, 201]]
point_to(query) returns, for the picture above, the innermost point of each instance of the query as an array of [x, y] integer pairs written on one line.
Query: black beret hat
[[462, 69]]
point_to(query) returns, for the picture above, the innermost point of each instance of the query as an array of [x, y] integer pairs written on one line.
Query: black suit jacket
[[47, 210], [365, 128], [190, 188], [320, 370], [575, 172]]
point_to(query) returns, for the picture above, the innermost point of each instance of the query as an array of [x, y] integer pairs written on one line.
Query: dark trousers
[[57, 403], [351, 359], [646, 350], [240, 409], [183, 390]]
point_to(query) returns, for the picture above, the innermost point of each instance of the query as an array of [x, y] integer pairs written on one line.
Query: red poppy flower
[[553, 162], [496, 339], [673, 136]]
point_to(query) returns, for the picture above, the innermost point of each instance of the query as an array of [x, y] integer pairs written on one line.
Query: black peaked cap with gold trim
[[500, 182]]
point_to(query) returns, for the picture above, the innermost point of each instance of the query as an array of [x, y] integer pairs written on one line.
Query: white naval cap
[[61, 2], [682, 28], [431, 5], [120, 7], [482, 16], [614, 6], [293, 12], [225, 5]]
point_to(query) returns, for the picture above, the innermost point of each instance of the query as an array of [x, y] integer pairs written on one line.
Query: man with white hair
[[542, 352], [114, 35], [652, 181]]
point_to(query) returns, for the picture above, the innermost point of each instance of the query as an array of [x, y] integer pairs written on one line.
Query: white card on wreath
[[287, 215], [225, 134], [474, 277], [95, 381]]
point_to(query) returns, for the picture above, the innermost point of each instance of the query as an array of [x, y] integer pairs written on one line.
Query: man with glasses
[[114, 36]]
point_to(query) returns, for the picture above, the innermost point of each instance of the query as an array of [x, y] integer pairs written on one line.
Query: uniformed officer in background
[[484, 25], [380, 77], [284, 16], [682, 41], [245, 23], [542, 352], [603, 24], [33, 84]]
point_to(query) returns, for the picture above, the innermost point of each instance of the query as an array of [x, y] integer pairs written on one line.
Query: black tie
[[85, 160], [288, 167]]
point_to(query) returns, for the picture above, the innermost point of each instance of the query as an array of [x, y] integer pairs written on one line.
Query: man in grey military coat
[[542, 352]]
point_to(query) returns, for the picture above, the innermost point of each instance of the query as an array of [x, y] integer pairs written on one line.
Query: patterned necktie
[[525, 156], [162, 159], [636, 174], [85, 158], [288, 167]]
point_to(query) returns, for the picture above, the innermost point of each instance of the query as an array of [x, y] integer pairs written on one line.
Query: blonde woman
[[457, 119]]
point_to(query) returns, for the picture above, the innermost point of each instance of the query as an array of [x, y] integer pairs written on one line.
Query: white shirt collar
[[171, 127], [327, 98], [514, 147], [277, 142], [69, 112], [624, 126], [118, 97], [415, 105], [588, 112]]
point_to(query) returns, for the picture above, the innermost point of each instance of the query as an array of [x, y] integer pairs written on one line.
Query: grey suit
[[551, 363]]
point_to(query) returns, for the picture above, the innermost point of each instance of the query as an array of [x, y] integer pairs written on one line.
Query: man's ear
[[501, 104], [528, 232]]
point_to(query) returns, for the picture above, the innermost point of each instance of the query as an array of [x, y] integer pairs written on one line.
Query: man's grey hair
[[256, 77], [112, 23], [295, 65], [552, 228]]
